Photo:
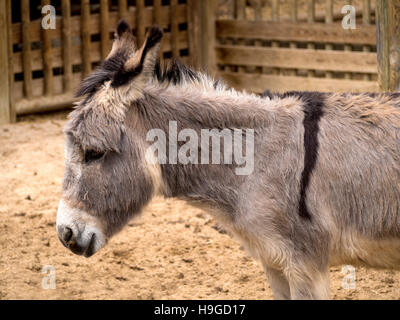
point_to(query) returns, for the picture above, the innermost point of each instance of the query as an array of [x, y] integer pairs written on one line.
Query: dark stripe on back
[[313, 110]]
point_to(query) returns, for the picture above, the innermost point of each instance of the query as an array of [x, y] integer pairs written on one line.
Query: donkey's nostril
[[66, 234]]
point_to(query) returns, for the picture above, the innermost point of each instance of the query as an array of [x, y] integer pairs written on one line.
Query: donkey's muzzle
[[78, 231], [76, 245]]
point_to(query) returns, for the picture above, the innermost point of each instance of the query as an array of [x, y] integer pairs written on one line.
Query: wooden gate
[[296, 45]]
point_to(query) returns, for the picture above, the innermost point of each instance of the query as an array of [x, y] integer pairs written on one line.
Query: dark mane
[[103, 73], [174, 72]]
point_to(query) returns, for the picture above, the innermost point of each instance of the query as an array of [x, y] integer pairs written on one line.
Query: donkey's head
[[107, 179]]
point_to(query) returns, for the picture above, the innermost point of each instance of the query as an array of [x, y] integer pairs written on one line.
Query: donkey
[[324, 190]]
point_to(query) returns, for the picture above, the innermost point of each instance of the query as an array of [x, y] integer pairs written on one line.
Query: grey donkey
[[324, 190]]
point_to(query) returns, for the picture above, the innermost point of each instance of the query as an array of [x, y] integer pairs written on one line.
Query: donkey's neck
[[195, 107], [197, 110]]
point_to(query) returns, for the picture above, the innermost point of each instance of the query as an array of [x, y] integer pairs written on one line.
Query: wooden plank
[[37, 89], [85, 37], [94, 25], [366, 12], [122, 9], [300, 32], [328, 11], [45, 104], [75, 58], [240, 14], [66, 45], [240, 9], [157, 6], [388, 44], [194, 32], [174, 28], [4, 67], [258, 83], [26, 48], [348, 47], [256, 6], [311, 20], [275, 10], [210, 35], [366, 20], [275, 18], [104, 29], [382, 38], [140, 26], [329, 19], [293, 11], [293, 18], [360, 62], [12, 112], [208, 39], [47, 58]]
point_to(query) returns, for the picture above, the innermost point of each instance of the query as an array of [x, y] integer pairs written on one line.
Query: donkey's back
[[330, 186], [357, 177]]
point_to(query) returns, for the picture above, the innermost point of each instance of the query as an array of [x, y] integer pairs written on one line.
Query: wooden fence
[[254, 45], [42, 67], [297, 45]]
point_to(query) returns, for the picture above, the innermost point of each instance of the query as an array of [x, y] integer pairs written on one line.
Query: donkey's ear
[[140, 67], [124, 41]]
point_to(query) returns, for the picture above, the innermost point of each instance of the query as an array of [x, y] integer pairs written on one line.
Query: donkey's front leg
[[311, 285], [278, 283]]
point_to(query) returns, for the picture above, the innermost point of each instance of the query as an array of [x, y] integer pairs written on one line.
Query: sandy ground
[[172, 251]]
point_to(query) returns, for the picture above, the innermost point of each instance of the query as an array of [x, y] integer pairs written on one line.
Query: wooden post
[[293, 18], [240, 14], [275, 18], [367, 20], [104, 29], [47, 58], [13, 113], [194, 29], [311, 19], [85, 37], [157, 6], [329, 20], [140, 27], [388, 44], [26, 48], [174, 28], [5, 100], [66, 41], [122, 9], [348, 47], [208, 36], [256, 6]]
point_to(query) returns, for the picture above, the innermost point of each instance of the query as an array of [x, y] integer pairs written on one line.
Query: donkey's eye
[[92, 155]]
